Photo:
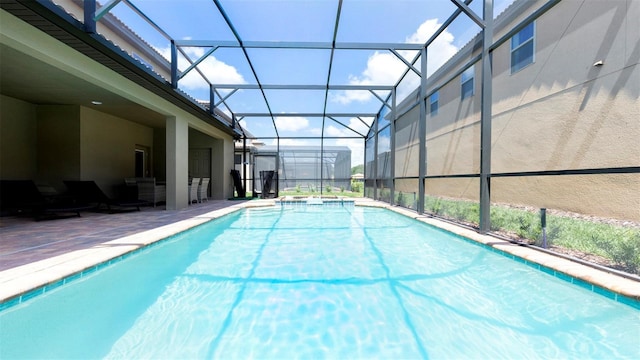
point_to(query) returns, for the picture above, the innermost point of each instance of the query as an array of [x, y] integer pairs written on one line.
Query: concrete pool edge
[[32, 279], [565, 267]]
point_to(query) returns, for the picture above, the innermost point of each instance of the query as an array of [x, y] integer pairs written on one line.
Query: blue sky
[[361, 21]]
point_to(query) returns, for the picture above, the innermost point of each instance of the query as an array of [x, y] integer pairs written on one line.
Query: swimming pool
[[319, 282]]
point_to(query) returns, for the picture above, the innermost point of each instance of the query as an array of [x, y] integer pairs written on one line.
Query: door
[[200, 164], [142, 163]]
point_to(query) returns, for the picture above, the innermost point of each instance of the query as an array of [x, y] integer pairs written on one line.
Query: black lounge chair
[[22, 198], [89, 192], [237, 182], [267, 179]]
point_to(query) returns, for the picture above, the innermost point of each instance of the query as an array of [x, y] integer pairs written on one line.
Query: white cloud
[[291, 123], [358, 126], [355, 124], [441, 50], [356, 145], [334, 131], [386, 68], [215, 70], [382, 68], [384, 142], [293, 142], [287, 123], [357, 149]]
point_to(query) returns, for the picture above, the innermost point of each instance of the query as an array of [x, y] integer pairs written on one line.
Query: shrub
[[618, 244], [624, 250], [356, 186]]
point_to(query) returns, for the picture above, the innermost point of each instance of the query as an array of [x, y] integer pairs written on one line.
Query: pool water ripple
[[319, 283]]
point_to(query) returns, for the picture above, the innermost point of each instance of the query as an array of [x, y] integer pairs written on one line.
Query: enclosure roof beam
[[356, 115], [299, 45], [303, 87], [346, 126], [472, 15]]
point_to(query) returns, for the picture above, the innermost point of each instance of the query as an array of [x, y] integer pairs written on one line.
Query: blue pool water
[[318, 282]]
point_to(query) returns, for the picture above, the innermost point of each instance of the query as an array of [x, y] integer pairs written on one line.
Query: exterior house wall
[[107, 147], [33, 42], [159, 154], [18, 139], [560, 112], [221, 163], [53, 143], [58, 144], [226, 148]]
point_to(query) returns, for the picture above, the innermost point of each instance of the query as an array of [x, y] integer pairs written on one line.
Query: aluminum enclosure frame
[[93, 14]]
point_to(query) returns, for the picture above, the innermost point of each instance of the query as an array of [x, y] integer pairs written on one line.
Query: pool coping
[[586, 276], [23, 282]]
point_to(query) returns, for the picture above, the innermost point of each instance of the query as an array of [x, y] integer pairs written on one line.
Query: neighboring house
[[304, 168], [565, 115]]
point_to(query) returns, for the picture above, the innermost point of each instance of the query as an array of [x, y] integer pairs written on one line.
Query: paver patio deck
[[23, 240]]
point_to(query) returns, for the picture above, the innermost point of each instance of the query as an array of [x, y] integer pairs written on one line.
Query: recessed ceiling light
[[96, 102]]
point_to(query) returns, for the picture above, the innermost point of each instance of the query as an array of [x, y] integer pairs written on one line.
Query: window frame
[[468, 75], [531, 40], [435, 101]]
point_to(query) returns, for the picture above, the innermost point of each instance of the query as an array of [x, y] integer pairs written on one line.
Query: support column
[[177, 163], [174, 65], [212, 103], [422, 132], [485, 119], [89, 14], [245, 162], [392, 160], [376, 180]]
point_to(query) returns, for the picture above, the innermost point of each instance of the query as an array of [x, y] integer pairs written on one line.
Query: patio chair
[[89, 192], [22, 197], [202, 189], [193, 190], [150, 192]]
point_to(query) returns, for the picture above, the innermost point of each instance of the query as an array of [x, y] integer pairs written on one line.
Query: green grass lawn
[[619, 244]]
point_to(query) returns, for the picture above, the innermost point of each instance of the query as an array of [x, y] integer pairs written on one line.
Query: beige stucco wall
[[561, 112], [53, 143], [407, 147], [159, 154], [219, 182], [108, 146], [24, 38], [18, 139], [58, 144]]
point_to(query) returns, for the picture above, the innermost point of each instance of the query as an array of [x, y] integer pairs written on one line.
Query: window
[[466, 80], [522, 48], [433, 104]]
